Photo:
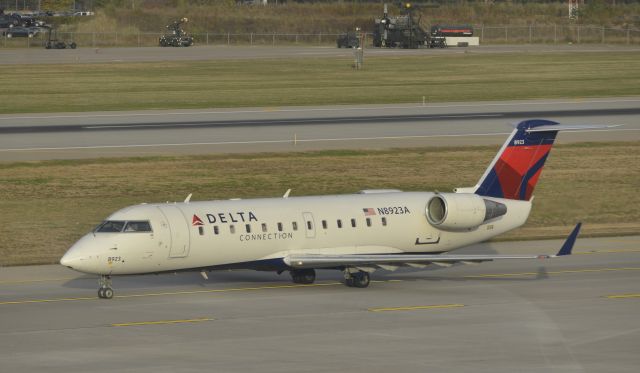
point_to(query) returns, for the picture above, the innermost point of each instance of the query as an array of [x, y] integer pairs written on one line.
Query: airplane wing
[[393, 261]]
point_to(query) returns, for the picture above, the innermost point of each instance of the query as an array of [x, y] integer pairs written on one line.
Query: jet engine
[[457, 211]]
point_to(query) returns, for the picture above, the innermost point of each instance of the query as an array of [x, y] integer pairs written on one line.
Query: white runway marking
[[284, 141]]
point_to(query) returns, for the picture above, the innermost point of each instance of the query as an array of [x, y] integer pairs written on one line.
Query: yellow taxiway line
[[623, 296], [185, 292], [14, 282], [612, 251], [163, 322], [414, 308], [497, 275], [293, 286]]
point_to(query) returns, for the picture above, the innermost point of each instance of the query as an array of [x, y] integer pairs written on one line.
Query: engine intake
[[462, 211]]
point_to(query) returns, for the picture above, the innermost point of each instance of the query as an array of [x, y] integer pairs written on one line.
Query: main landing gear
[[360, 279], [352, 277], [303, 276], [105, 291]]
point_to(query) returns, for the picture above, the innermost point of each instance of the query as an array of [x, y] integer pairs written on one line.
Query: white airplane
[[355, 233]]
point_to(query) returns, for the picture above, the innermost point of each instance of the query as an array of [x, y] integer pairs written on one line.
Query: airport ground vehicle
[[9, 20], [459, 31], [177, 36], [435, 41], [401, 31], [22, 32], [54, 43]]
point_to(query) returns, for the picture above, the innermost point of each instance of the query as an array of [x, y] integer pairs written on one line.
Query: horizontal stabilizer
[[570, 127]]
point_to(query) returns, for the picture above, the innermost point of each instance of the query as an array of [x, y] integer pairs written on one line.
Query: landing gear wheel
[[349, 282], [303, 276], [359, 279], [105, 291]]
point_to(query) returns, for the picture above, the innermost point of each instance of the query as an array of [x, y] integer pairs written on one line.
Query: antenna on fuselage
[[286, 194], [186, 200]]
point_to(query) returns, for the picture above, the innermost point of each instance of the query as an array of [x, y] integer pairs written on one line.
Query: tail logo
[[516, 170]]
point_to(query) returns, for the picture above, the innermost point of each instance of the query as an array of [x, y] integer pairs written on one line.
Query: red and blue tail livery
[[514, 172]]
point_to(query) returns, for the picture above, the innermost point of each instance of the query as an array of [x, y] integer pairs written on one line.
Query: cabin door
[[179, 231]]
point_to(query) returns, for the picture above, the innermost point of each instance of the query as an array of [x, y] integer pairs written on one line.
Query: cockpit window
[[116, 226], [137, 226], [110, 226]]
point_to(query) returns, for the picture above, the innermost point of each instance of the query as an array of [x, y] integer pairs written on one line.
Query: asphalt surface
[[570, 314], [174, 132], [203, 53]]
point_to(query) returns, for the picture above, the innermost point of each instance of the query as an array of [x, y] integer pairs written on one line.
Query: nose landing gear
[[105, 291]]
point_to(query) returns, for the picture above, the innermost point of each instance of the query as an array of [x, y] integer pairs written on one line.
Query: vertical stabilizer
[[515, 170]]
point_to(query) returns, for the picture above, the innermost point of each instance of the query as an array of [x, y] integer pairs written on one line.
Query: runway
[[249, 130], [571, 314]]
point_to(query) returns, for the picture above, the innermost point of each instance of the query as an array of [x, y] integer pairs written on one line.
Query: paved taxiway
[[572, 314], [103, 134]]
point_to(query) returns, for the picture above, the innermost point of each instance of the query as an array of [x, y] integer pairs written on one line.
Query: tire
[[107, 293], [73, 45], [361, 280], [101, 293], [303, 276]]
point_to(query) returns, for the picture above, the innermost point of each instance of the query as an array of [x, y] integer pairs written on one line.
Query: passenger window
[[339, 223], [324, 224], [368, 222], [216, 230], [279, 227], [294, 225], [309, 225], [384, 221], [353, 223], [232, 229], [264, 227], [248, 227], [201, 230]]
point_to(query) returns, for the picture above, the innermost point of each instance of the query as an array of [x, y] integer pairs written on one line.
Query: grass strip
[[317, 81], [47, 205]]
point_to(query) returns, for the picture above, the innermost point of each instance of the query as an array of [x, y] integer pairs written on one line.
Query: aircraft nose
[[67, 260], [81, 256], [71, 258]]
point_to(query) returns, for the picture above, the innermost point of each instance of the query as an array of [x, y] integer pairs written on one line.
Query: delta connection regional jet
[[354, 233]]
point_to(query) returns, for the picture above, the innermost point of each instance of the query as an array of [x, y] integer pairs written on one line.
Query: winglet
[[570, 241]]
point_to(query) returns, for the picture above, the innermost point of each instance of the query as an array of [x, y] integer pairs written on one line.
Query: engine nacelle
[[461, 211]]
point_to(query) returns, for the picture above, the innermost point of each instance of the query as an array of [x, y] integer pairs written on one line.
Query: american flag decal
[[369, 211]]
